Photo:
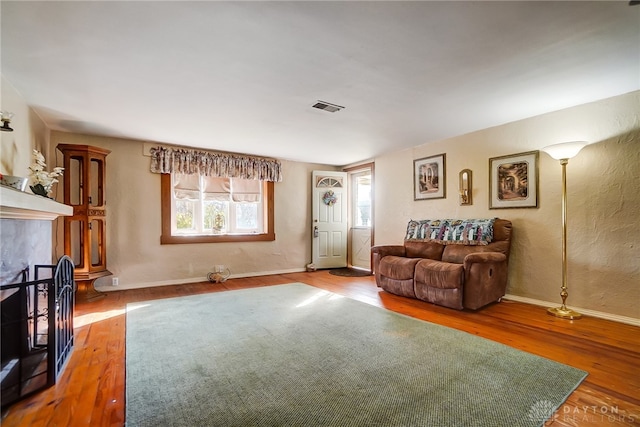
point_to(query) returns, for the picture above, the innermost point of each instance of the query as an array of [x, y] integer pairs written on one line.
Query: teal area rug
[[295, 355]]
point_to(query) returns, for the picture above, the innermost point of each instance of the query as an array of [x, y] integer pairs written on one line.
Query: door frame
[[350, 171]]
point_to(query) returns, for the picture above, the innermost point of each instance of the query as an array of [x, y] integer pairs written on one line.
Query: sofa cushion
[[416, 249], [403, 288], [396, 267], [501, 230], [438, 274]]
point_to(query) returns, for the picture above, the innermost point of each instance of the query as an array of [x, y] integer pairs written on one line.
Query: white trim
[[16, 204], [108, 288], [602, 315], [608, 316]]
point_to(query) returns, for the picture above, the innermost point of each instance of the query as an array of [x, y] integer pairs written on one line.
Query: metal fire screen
[[37, 329]]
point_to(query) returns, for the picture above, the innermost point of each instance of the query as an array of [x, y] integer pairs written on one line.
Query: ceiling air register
[[327, 106]]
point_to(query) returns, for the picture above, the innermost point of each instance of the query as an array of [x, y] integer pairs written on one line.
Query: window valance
[[207, 163]]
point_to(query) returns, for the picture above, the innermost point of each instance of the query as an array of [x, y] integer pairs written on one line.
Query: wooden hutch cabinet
[[85, 231]]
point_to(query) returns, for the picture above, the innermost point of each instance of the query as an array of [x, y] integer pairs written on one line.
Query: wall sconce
[[466, 187], [6, 119]]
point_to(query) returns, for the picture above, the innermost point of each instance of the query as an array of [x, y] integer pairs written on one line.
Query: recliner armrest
[[484, 257], [385, 250], [485, 278], [381, 251]]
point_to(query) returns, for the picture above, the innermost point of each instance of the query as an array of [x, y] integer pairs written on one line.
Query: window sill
[[185, 239]]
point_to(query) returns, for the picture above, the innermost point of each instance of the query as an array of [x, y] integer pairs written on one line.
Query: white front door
[[329, 219]]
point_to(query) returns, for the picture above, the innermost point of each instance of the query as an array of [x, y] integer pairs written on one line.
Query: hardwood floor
[[91, 391]]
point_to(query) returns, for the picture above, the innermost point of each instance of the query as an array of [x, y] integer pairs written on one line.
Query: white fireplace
[[26, 231]]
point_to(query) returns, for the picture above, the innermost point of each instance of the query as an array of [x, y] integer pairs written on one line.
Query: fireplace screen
[[37, 330]]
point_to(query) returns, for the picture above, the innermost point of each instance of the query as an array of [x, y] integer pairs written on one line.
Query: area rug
[[295, 355], [349, 272]]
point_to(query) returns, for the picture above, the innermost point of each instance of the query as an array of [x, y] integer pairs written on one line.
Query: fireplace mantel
[[16, 204]]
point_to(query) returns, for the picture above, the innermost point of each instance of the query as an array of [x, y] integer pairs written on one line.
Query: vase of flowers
[[42, 181]]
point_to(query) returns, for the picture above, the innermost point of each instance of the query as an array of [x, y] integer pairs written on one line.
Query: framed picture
[[429, 178], [513, 181]]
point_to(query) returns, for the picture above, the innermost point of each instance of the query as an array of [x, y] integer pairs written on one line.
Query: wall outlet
[[114, 281]]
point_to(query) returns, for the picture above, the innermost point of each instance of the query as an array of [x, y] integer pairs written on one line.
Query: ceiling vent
[[327, 106]]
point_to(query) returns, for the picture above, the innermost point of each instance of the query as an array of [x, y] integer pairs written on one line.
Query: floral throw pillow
[[452, 231], [469, 231], [426, 229]]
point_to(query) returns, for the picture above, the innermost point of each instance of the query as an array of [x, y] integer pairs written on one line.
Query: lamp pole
[[564, 152], [563, 311]]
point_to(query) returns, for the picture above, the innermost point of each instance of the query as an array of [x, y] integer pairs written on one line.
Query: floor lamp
[[563, 152]]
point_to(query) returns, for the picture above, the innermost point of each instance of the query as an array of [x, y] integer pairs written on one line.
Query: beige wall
[[603, 202], [29, 132], [134, 252], [604, 254]]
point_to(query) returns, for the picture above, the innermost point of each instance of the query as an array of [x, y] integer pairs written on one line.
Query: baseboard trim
[[123, 287], [602, 315]]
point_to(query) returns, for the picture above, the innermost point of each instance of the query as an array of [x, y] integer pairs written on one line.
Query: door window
[[361, 199]]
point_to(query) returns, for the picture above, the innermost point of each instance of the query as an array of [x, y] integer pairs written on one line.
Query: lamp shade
[[564, 150]]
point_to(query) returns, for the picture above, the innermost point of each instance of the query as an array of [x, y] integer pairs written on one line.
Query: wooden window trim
[[168, 239]]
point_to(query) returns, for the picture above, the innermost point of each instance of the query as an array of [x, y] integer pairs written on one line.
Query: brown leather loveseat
[[453, 263]]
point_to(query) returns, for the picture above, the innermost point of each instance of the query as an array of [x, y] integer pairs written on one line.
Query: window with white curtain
[[203, 205]]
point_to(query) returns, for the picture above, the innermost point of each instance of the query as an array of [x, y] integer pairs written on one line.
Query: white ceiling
[[242, 76]]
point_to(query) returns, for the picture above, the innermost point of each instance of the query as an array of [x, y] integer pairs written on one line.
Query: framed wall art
[[429, 178], [513, 181]]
